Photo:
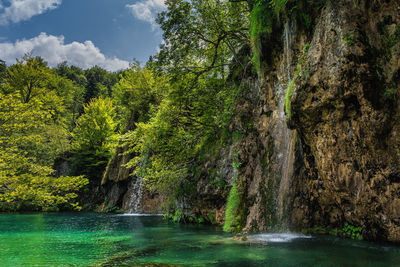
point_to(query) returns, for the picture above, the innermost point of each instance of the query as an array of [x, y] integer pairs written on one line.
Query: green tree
[[99, 83], [29, 77], [72, 98], [202, 39], [202, 35], [31, 80], [137, 91], [26, 182], [73, 73], [187, 119], [3, 72], [96, 127], [94, 138]]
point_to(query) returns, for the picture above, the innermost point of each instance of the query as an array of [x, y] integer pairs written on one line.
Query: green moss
[[278, 5], [232, 219], [289, 93], [236, 136], [301, 72], [178, 216], [219, 182], [212, 172], [237, 165], [349, 39], [306, 47], [260, 19], [260, 27], [390, 94], [211, 218]]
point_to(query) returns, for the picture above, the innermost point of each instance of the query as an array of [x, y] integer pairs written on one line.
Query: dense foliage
[[43, 118], [94, 138], [168, 113], [202, 40], [32, 134]]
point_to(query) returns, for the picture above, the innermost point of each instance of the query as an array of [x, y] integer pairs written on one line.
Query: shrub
[[350, 231], [111, 209], [178, 216]]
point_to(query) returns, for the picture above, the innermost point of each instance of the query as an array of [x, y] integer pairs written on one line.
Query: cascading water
[[134, 196], [136, 193], [285, 138]]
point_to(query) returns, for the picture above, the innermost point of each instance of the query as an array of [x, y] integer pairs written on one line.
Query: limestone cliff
[[339, 86], [320, 143], [346, 112], [125, 191]]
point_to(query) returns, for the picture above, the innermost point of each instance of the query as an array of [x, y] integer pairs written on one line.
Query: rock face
[[341, 160], [337, 158], [122, 190], [116, 178], [346, 112], [212, 187]]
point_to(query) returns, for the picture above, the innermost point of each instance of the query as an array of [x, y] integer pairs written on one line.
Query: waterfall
[[135, 196], [285, 138]]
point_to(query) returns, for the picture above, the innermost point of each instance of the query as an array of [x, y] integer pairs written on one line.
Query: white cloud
[[147, 10], [20, 10], [53, 50]]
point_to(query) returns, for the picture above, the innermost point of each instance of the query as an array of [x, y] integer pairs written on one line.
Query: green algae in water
[[89, 239]]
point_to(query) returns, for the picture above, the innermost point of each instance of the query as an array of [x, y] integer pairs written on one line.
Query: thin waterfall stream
[[286, 137], [135, 196]]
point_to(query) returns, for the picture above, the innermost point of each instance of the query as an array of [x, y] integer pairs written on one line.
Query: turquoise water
[[89, 239]]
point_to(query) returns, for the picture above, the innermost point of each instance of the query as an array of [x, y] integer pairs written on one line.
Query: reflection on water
[[88, 239]]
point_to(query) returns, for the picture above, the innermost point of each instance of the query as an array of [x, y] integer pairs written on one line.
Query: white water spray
[[136, 196]]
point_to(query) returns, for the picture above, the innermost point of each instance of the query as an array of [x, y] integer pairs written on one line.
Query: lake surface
[[90, 239]]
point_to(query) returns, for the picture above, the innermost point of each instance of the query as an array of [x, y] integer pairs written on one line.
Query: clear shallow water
[[88, 239]]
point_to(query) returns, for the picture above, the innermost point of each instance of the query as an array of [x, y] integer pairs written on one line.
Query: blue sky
[[108, 33]]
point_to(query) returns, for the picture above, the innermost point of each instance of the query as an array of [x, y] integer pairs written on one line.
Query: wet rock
[[240, 238], [347, 123], [340, 160], [122, 189]]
